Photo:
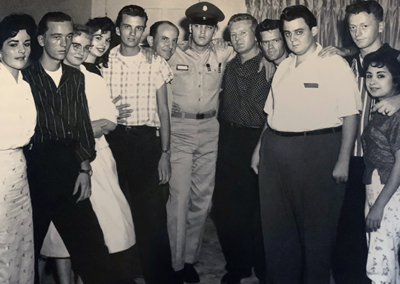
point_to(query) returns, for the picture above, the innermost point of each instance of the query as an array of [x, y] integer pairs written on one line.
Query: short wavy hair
[[12, 24], [243, 17], [296, 12]]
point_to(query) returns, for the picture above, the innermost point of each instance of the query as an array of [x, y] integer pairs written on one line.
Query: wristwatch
[[88, 172], [166, 151]]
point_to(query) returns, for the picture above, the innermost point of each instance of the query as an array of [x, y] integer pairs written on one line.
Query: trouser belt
[[208, 114], [307, 133]]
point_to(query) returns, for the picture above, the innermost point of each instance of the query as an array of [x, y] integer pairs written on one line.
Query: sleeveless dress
[[18, 120], [108, 201]]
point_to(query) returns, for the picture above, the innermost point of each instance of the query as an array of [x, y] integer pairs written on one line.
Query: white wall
[[172, 10], [79, 10]]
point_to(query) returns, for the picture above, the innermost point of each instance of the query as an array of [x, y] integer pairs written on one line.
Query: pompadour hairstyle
[[52, 17], [243, 17], [266, 25], [131, 10], [369, 7], [296, 12]]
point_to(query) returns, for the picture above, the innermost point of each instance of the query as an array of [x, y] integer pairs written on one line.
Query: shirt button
[[69, 133], [199, 86], [200, 100], [199, 73]]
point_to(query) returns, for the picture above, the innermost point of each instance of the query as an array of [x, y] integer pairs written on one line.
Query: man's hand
[[149, 53], [340, 172], [374, 218], [164, 168], [175, 108], [269, 68], [98, 129], [218, 44], [333, 50], [123, 110], [388, 106], [255, 160], [83, 183]]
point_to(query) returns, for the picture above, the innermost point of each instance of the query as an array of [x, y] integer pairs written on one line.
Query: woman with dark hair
[[381, 145], [18, 117], [104, 30]]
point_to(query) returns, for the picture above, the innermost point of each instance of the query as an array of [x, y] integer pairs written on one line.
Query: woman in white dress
[[18, 120], [107, 199]]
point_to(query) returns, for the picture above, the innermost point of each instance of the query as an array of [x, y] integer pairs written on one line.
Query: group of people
[[293, 150]]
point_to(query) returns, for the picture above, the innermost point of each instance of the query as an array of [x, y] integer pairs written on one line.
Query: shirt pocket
[[212, 77], [184, 81]]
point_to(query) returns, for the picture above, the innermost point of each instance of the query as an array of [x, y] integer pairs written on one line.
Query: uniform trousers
[[194, 145], [236, 202], [52, 172], [300, 206], [350, 254], [137, 151]]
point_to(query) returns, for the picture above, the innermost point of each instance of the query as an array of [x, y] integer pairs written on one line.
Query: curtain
[[330, 16]]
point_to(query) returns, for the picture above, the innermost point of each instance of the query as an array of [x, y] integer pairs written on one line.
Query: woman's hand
[[374, 218]]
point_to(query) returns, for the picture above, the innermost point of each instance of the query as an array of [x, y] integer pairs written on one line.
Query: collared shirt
[[17, 111], [197, 77], [381, 140], [137, 82], [316, 94], [244, 92], [62, 112], [367, 101]]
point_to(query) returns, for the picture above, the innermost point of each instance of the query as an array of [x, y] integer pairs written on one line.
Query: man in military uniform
[[198, 71]]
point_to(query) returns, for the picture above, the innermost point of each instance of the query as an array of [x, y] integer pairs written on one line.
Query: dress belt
[[307, 133], [204, 115]]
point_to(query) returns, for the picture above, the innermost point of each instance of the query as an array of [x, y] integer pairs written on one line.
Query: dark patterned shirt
[[62, 112], [380, 141], [244, 92]]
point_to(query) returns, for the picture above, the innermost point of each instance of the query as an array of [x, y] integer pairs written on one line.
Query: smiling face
[[379, 82], [101, 43], [242, 36], [299, 38], [272, 45], [79, 50], [56, 40], [15, 51], [365, 30], [165, 40], [202, 34], [131, 30]]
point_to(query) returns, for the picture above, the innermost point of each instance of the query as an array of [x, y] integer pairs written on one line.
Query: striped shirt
[[367, 101], [62, 112]]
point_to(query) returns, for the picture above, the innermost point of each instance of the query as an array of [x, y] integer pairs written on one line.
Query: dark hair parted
[[12, 24], [154, 27], [52, 17], [296, 12], [243, 17], [369, 7], [104, 24], [385, 59], [266, 25], [131, 10]]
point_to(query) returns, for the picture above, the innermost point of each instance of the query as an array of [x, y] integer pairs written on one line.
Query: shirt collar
[[312, 56]]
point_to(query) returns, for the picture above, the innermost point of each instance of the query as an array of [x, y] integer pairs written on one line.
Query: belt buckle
[[128, 128], [199, 115]]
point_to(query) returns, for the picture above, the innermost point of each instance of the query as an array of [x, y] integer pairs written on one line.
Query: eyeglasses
[[78, 47]]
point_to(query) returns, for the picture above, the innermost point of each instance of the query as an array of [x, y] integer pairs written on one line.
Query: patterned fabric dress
[[18, 120]]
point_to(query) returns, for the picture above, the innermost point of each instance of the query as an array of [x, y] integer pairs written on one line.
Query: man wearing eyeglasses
[[60, 152]]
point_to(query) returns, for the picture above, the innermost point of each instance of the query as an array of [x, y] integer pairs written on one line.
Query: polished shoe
[[230, 278], [190, 274], [178, 277]]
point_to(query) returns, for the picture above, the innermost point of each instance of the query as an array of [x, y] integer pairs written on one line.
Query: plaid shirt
[[137, 82]]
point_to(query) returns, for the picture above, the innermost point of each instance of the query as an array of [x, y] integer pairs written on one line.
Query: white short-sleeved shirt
[[316, 94], [137, 82], [99, 103]]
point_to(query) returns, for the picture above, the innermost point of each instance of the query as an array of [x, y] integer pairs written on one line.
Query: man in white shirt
[[305, 152]]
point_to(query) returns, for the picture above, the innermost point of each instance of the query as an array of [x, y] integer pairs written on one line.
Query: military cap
[[204, 13]]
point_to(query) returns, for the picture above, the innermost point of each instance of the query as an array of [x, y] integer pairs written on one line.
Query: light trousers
[[194, 145]]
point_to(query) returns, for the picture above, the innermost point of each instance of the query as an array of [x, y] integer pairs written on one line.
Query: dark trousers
[[52, 172], [236, 204], [351, 250], [137, 151], [300, 206]]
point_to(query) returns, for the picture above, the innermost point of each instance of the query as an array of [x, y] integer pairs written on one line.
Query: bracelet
[[88, 172], [166, 151]]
